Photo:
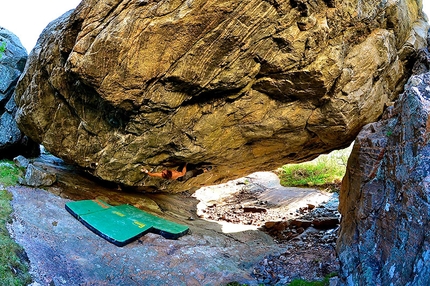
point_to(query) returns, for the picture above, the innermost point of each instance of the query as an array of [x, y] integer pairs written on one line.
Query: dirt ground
[[305, 222]]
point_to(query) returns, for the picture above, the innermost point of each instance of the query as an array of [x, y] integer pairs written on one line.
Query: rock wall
[[12, 141], [385, 196], [240, 85]]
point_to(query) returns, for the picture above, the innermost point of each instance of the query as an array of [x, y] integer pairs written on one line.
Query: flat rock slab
[[64, 252]]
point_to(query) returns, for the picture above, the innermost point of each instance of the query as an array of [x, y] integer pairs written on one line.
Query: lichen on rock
[[12, 61], [384, 199], [239, 85]]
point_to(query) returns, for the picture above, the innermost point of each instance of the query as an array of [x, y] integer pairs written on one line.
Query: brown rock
[[326, 222], [239, 85], [300, 223], [276, 225], [254, 210], [311, 207]]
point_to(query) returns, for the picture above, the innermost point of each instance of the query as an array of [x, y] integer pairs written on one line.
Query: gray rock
[[12, 62], [384, 200], [21, 161], [36, 176], [334, 281]]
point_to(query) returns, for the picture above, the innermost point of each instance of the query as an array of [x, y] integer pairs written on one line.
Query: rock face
[[240, 85], [385, 195], [12, 62]]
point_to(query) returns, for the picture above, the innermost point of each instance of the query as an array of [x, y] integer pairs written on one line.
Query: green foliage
[[300, 282], [9, 173], [235, 283], [326, 170], [13, 263], [2, 49], [324, 282]]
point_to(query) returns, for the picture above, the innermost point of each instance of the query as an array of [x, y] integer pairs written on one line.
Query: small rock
[[254, 209], [326, 222], [38, 177], [300, 223], [21, 161], [276, 225], [334, 281]]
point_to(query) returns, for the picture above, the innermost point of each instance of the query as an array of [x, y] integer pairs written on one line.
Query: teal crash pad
[[122, 224]]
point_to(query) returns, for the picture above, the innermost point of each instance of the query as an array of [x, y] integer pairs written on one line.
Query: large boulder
[[12, 141], [385, 196], [241, 85]]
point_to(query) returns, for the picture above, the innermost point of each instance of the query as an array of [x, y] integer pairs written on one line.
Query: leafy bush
[[324, 171]]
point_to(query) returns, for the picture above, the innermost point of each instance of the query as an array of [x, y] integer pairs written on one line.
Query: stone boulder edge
[[384, 200], [12, 141], [117, 85], [36, 176]]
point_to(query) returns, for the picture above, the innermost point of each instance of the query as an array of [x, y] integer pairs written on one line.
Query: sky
[[426, 8], [27, 18]]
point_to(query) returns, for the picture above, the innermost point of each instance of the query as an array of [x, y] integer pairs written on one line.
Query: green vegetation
[[326, 171], [324, 282], [13, 260], [299, 282], [9, 173], [239, 284], [2, 49]]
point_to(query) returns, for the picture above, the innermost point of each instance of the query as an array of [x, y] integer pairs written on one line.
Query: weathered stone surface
[[385, 195], [12, 62], [241, 85], [36, 176], [21, 161]]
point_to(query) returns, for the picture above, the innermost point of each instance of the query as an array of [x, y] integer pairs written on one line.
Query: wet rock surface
[[244, 86], [64, 252]]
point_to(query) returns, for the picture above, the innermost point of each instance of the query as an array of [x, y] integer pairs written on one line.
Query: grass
[[14, 264], [299, 282], [13, 260], [326, 171], [324, 282], [9, 173], [2, 49]]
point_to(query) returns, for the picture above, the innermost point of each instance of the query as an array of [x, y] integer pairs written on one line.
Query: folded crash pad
[[122, 224]]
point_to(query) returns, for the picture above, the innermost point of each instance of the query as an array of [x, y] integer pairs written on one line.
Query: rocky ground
[[306, 225], [250, 230]]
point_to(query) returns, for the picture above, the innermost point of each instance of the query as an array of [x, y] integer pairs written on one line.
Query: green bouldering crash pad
[[122, 224]]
